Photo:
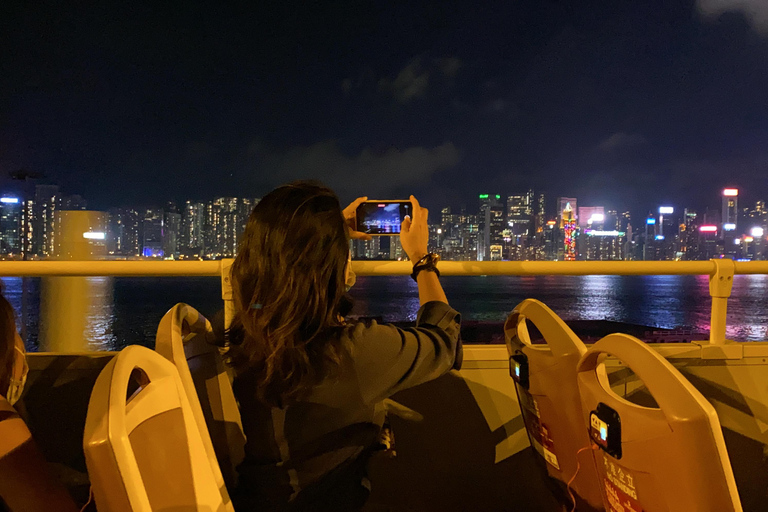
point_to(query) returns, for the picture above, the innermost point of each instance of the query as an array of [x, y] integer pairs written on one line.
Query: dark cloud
[[411, 82], [375, 173], [621, 140], [756, 11]]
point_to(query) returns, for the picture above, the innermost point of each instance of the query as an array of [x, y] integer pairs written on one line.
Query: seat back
[[185, 338], [550, 403], [670, 458], [146, 452]]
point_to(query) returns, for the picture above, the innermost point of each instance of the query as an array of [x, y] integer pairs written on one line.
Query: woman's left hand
[[350, 214]]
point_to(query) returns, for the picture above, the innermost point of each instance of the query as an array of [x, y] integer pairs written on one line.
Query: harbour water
[[127, 310]]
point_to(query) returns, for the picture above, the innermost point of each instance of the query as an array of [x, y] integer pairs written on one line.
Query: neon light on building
[[729, 227], [650, 221], [708, 229], [757, 232], [731, 192], [665, 210], [568, 225]]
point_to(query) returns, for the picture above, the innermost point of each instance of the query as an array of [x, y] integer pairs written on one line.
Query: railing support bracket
[[720, 286]]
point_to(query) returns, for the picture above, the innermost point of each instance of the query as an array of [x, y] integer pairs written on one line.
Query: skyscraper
[[123, 232], [520, 214], [171, 233], [567, 223], [730, 209], [192, 229], [46, 204], [10, 225], [491, 227], [152, 233]]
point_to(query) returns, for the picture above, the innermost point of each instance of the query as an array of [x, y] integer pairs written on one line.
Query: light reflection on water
[[127, 310]]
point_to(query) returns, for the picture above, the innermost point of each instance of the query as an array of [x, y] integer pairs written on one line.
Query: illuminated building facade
[[11, 209], [492, 224], [46, 204], [123, 232], [569, 230], [152, 233], [192, 229]]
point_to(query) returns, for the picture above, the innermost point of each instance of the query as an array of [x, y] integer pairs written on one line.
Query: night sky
[[618, 103]]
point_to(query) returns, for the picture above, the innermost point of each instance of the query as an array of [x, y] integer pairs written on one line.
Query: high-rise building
[[11, 225], [492, 225], [193, 229], [46, 204], [222, 227], [244, 208], [171, 233], [152, 233], [567, 221], [730, 209], [520, 214], [123, 232]]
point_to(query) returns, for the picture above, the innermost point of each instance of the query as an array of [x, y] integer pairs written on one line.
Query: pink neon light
[[730, 192], [708, 229]]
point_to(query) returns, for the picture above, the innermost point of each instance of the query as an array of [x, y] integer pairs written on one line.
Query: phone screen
[[382, 217]]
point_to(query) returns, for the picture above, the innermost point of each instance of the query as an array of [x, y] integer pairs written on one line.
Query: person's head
[[13, 364], [289, 282]]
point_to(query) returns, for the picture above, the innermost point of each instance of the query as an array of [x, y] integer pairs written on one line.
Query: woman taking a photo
[[309, 384]]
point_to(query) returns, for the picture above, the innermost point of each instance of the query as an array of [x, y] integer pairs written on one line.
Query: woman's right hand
[[414, 232]]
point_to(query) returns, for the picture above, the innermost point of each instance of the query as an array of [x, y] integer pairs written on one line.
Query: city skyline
[[499, 227]]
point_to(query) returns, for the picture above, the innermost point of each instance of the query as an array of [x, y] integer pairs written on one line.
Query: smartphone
[[381, 218]]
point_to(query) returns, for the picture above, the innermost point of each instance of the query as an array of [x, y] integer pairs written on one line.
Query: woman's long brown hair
[[7, 343], [288, 283]]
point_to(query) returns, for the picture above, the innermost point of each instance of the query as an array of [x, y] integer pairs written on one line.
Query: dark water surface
[[127, 310]]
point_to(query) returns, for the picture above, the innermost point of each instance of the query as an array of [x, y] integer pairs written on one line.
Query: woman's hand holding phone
[[350, 213], [414, 232]]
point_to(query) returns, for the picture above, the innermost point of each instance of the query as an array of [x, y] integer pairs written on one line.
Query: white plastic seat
[[145, 452], [185, 338], [550, 404], [671, 458]]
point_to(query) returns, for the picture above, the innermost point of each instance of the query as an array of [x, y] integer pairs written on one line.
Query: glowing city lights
[[666, 210], [729, 226], [708, 229], [597, 232], [95, 235], [596, 217], [731, 192], [757, 232], [9, 200], [651, 221]]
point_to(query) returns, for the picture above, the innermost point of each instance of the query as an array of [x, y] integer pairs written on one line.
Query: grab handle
[[560, 338], [672, 392]]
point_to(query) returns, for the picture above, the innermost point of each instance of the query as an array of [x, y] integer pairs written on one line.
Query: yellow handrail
[[381, 268]]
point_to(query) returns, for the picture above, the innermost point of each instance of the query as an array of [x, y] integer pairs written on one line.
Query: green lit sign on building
[[483, 196]]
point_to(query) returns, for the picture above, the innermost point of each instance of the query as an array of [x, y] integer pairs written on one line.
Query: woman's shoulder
[[13, 430]]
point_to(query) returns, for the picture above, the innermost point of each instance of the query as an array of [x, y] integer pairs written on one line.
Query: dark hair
[[288, 284], [7, 343]]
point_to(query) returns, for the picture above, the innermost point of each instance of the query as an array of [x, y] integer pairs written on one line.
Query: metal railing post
[[720, 286], [226, 292]]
